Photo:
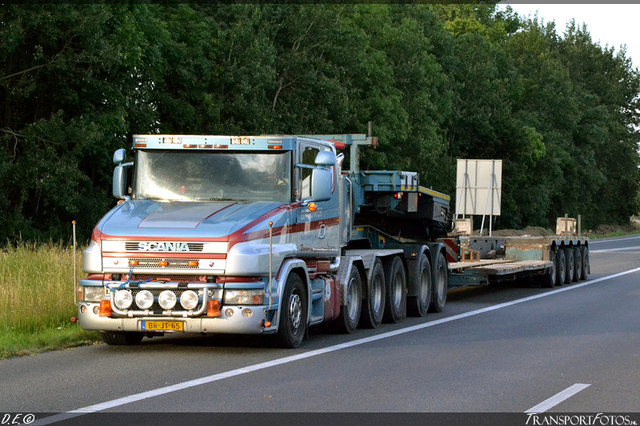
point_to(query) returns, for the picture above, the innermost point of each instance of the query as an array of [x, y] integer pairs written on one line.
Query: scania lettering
[[163, 246]]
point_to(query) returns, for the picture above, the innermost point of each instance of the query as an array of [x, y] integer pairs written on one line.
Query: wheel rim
[[295, 312], [376, 293], [352, 306]]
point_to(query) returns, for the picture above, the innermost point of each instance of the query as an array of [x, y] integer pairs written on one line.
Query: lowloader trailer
[[268, 235]]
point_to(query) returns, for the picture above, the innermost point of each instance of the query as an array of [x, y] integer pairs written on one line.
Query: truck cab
[[206, 233]]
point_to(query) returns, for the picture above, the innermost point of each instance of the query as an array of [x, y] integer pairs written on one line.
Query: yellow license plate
[[162, 326]]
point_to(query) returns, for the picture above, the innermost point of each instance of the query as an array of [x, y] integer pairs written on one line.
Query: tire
[[121, 338], [440, 284], [418, 305], [293, 314], [586, 269], [561, 267], [549, 279], [568, 257], [395, 279], [347, 321], [577, 262], [373, 307]]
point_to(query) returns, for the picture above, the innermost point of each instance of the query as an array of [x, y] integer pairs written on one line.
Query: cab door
[[317, 230]]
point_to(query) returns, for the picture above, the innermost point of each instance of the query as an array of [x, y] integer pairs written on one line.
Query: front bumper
[[224, 324]]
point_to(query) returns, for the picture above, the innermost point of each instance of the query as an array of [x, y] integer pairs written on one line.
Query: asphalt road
[[498, 349]]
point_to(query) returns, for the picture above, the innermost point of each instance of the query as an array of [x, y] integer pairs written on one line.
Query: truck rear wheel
[[561, 267], [568, 257], [585, 263], [440, 284], [577, 262], [293, 315], [121, 338], [418, 305], [373, 309], [396, 291], [549, 279], [347, 321]]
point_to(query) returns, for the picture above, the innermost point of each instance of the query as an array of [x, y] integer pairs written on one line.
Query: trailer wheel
[[418, 306], [121, 338], [441, 283], [293, 315], [586, 269], [395, 279], [347, 321], [577, 262], [561, 267], [549, 279], [568, 257], [373, 309]]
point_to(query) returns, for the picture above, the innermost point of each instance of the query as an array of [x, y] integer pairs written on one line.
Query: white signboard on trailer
[[478, 187]]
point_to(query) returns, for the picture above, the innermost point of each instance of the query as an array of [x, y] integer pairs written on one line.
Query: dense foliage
[[439, 82]]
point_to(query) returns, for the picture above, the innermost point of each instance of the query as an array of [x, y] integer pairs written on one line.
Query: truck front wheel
[[293, 314], [121, 338]]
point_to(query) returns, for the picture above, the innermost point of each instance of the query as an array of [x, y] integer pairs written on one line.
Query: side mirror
[[321, 182], [119, 156], [120, 181]]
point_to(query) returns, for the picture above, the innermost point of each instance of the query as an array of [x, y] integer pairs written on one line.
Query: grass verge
[[36, 301]]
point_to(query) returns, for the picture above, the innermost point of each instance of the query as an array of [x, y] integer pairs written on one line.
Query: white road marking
[[557, 398], [256, 367], [616, 249]]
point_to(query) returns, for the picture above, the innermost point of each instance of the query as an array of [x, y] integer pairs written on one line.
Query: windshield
[[206, 176]]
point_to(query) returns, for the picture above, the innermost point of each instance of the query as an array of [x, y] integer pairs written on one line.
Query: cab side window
[[308, 158]]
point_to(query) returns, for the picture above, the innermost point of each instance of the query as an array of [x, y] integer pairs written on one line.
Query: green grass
[[613, 234], [36, 301]]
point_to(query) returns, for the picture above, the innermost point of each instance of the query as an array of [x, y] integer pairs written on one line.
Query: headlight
[[189, 299], [167, 299], [93, 294], [244, 297], [123, 299], [144, 299]]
